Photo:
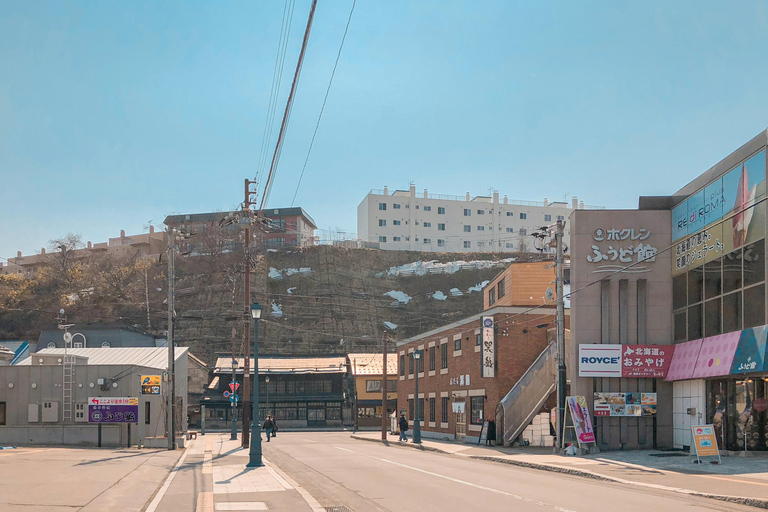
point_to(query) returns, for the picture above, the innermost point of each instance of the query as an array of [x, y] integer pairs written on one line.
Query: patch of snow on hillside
[[274, 273], [456, 292], [421, 268], [291, 290], [438, 295], [399, 296], [277, 310], [278, 274], [478, 287], [390, 326]]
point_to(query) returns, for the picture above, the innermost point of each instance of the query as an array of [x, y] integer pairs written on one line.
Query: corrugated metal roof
[[150, 357], [371, 364], [287, 365]]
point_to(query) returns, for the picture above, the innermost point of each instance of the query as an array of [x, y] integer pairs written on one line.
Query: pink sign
[[646, 360], [581, 421], [716, 355], [684, 360]]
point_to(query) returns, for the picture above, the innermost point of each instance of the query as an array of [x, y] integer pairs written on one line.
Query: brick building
[[455, 396]]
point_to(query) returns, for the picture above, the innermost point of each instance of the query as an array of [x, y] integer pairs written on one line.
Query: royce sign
[[628, 361], [600, 360]]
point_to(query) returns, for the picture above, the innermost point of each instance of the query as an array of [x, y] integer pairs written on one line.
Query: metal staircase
[[527, 396]]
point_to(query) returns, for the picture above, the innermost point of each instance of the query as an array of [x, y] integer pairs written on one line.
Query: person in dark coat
[[403, 429], [268, 426]]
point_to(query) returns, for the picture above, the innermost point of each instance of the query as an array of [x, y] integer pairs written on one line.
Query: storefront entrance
[[737, 408], [461, 425]]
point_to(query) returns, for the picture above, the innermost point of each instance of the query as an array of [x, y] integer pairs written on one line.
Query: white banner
[[489, 348]]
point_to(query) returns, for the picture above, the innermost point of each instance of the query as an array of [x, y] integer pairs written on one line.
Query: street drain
[[338, 508]]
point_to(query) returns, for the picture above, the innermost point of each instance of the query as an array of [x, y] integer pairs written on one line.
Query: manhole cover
[[339, 508]]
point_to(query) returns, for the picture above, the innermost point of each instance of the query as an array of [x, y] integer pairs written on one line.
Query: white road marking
[[311, 441], [242, 505], [343, 449], [311, 501], [155, 502]]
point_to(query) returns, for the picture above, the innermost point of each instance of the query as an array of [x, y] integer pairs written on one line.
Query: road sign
[[150, 384], [113, 409], [233, 386], [234, 398], [226, 394]]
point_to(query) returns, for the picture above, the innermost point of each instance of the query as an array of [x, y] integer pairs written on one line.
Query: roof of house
[[18, 347], [150, 357], [211, 217], [371, 364], [116, 334], [287, 365]]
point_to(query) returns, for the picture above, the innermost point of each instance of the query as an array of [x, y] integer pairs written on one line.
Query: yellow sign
[[150, 384], [133, 401], [704, 440]]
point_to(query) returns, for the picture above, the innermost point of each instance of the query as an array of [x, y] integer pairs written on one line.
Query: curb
[[750, 502]]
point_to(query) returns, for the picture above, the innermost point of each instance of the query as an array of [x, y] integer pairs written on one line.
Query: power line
[[322, 109]]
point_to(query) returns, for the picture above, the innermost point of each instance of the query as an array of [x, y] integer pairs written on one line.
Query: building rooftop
[[150, 357], [286, 365], [211, 217], [371, 364]]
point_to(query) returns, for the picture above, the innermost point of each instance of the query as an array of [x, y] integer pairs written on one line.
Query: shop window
[[402, 364], [754, 305], [680, 327], [732, 312], [732, 271], [679, 291], [444, 355], [432, 410], [695, 286], [432, 359], [754, 263], [476, 410], [444, 406], [712, 323], [694, 322], [713, 280]]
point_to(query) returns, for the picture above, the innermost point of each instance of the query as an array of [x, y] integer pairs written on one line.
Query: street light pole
[[383, 387], [254, 459], [416, 422], [266, 379], [233, 436]]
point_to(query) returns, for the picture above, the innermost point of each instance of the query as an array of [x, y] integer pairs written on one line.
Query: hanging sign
[[489, 347]]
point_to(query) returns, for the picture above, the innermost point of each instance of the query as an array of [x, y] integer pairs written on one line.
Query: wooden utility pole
[[247, 315], [562, 382]]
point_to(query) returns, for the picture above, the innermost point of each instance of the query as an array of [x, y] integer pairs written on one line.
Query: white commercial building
[[403, 221]]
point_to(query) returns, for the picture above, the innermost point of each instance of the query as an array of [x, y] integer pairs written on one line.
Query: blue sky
[[115, 114]]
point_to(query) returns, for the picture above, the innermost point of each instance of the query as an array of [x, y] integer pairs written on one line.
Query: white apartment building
[[403, 221]]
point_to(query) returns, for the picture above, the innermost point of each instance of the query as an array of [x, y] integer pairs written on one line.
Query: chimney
[[413, 190], [506, 200], [122, 233], [18, 254], [581, 205], [426, 196], [151, 229], [467, 197], [546, 203], [574, 203], [386, 191], [90, 245], [42, 250], [495, 197]]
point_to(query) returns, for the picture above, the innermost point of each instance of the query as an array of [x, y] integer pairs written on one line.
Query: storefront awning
[[684, 360], [716, 355]]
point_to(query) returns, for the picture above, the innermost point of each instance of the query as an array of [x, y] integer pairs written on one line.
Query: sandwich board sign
[[705, 442]]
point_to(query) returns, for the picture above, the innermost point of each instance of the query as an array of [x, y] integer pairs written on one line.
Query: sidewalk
[[219, 464], [738, 479]]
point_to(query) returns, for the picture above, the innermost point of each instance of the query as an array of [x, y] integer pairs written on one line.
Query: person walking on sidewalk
[[268, 426], [403, 429]]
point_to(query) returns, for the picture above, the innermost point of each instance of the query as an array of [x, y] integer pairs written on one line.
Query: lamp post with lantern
[[416, 422], [254, 456], [232, 399], [266, 379]]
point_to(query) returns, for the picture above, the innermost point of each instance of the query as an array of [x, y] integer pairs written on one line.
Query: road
[[365, 476]]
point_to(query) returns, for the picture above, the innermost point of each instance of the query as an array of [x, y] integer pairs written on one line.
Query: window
[[407, 239], [444, 355], [427, 208], [432, 358], [382, 206], [421, 409], [457, 344], [374, 386], [417, 207], [147, 414], [432, 409], [417, 222], [510, 246], [395, 206], [478, 339], [382, 222], [467, 244], [395, 238], [444, 409], [420, 363], [481, 212], [440, 242], [510, 214], [2, 413], [523, 215], [383, 239], [441, 227], [402, 364], [410, 363], [510, 230], [441, 210], [476, 410], [467, 229], [501, 288], [467, 212], [410, 408], [427, 224], [491, 296], [560, 217], [547, 218], [427, 240], [395, 222], [523, 232], [481, 228]]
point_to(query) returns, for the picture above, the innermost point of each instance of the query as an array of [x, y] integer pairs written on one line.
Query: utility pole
[[171, 355], [247, 303], [383, 388], [561, 374]]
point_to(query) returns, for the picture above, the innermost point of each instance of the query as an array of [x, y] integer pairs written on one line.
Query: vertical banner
[[581, 420], [489, 347]]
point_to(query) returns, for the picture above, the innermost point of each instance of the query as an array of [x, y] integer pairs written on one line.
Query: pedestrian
[[268, 426], [274, 426], [403, 429]]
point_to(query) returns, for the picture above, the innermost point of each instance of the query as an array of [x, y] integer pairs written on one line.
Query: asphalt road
[[365, 476]]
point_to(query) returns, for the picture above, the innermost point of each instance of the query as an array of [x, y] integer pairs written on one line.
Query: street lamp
[[416, 422], [255, 448], [266, 379], [233, 436]]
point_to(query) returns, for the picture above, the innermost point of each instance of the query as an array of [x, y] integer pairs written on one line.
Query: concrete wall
[[598, 318]]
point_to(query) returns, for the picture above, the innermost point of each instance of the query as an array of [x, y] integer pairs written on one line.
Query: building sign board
[[616, 248], [600, 360], [489, 348], [106, 409], [705, 442], [150, 384], [627, 361], [582, 423], [625, 404]]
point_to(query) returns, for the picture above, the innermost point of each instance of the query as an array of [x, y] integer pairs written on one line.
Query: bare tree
[[62, 250]]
